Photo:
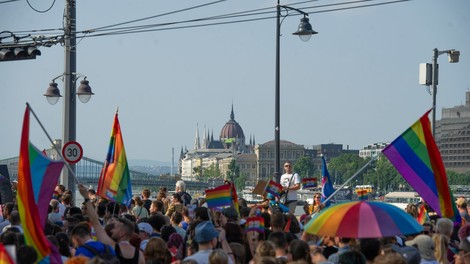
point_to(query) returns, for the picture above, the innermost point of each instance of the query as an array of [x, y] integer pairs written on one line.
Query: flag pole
[[350, 179], [53, 145]]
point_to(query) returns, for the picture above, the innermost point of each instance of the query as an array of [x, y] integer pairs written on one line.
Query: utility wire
[[169, 25], [8, 1], [261, 13], [40, 11]]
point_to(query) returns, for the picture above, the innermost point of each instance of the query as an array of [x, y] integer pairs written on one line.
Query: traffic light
[[19, 53]]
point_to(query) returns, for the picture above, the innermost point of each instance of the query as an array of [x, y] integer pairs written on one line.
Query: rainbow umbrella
[[363, 219]]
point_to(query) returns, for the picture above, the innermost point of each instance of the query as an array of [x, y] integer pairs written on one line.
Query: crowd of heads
[[178, 229]]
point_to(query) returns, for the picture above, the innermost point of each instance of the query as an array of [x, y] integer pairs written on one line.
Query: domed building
[[207, 151], [232, 135]]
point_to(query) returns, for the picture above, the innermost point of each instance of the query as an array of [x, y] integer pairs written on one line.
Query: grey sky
[[354, 83]]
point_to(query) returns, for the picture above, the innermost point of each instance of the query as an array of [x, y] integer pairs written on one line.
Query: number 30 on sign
[[72, 152]]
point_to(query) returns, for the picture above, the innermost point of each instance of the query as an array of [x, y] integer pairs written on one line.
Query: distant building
[[218, 153], [453, 136], [372, 150], [266, 159]]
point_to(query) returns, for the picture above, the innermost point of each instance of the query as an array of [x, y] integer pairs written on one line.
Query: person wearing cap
[[462, 207], [410, 254], [425, 246], [145, 231], [207, 238]]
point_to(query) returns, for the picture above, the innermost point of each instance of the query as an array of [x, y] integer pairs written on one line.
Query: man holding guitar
[[290, 182]]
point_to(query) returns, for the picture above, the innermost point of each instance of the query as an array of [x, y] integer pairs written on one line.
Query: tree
[[212, 172], [240, 182], [345, 166], [304, 167]]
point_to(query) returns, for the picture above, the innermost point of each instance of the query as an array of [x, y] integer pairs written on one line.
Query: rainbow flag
[[5, 257], [235, 198], [362, 195], [115, 181], [274, 188], [423, 215], [37, 177], [327, 184], [309, 183], [254, 224], [416, 157], [219, 197]]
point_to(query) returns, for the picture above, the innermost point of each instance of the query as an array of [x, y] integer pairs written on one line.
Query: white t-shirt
[[285, 179]]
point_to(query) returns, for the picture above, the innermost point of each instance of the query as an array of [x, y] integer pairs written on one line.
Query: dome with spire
[[232, 130]]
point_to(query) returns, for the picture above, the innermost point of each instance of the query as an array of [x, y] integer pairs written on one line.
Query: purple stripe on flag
[[413, 179]]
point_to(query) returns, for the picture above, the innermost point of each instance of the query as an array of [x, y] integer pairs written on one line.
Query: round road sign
[[72, 152]]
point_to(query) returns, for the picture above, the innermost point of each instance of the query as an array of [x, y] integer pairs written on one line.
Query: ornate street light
[[304, 32]]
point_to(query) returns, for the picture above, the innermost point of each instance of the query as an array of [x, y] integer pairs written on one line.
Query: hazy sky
[[354, 83]]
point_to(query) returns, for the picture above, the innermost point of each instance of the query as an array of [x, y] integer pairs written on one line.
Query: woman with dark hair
[[64, 245], [300, 250]]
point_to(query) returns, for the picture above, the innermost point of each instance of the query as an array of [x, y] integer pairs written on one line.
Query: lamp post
[[304, 31], [453, 58], [84, 94], [428, 75]]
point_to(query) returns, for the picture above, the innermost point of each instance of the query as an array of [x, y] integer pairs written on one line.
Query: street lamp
[[429, 75], [84, 94], [304, 32]]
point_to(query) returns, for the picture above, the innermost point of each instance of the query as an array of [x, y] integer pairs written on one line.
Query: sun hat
[[425, 246], [205, 232]]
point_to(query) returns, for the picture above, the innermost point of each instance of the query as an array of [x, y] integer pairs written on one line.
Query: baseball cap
[[205, 232], [145, 227], [411, 254], [425, 246]]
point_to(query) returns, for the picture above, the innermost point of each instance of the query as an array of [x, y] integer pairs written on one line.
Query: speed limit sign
[[72, 152]]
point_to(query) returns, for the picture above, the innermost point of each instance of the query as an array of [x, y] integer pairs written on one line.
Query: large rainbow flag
[[37, 177], [219, 197], [115, 180], [416, 157]]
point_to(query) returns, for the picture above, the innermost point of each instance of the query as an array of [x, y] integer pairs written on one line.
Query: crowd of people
[[179, 229]]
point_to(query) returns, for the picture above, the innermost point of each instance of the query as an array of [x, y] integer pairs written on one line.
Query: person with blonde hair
[[218, 256], [442, 238]]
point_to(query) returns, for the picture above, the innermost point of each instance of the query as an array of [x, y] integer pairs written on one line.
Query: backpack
[[186, 198], [106, 256]]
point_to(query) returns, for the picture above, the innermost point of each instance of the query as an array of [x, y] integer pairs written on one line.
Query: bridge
[[88, 173]]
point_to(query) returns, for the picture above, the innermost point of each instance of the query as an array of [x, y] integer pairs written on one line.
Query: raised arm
[[93, 216]]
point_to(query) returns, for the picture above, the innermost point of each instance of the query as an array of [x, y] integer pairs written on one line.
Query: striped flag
[[5, 257], [274, 188], [309, 183], [423, 215], [235, 198], [115, 181], [37, 177], [416, 157], [219, 197], [362, 195], [254, 224]]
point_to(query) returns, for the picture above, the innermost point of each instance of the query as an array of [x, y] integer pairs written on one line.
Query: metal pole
[[277, 169], [69, 129], [434, 89]]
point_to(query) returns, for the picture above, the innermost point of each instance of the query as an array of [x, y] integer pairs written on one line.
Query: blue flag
[[327, 188]]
